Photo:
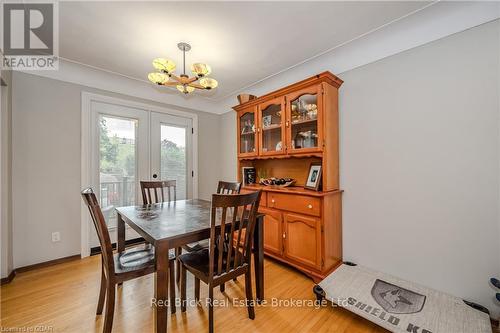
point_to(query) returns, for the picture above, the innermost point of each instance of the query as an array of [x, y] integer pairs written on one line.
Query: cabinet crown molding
[[318, 78]]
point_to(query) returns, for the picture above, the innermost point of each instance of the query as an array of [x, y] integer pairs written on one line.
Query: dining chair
[[223, 187], [232, 217], [119, 267], [156, 188], [154, 192]]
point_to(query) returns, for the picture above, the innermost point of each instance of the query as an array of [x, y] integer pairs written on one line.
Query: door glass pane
[[304, 111], [117, 164], [247, 133], [271, 128], [173, 159]]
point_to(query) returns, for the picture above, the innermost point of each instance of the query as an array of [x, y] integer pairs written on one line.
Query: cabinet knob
[[310, 206], [284, 235], [272, 200]]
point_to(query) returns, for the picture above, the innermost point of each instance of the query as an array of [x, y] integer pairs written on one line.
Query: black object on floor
[[495, 282], [477, 307], [319, 292], [498, 297]]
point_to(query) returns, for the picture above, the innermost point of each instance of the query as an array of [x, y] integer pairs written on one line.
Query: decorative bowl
[[281, 182]]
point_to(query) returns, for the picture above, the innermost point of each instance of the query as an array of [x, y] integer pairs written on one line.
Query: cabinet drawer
[[295, 203]]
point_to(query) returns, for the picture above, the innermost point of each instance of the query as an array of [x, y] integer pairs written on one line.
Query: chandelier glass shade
[[165, 75]]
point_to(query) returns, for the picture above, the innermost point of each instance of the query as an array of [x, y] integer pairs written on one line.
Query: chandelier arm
[[192, 79], [176, 78], [196, 85], [170, 84]]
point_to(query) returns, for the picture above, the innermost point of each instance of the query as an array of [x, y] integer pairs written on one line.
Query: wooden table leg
[[258, 258], [161, 287], [120, 246]]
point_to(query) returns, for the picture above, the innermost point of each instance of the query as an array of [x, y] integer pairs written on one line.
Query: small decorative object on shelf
[[248, 127], [243, 98], [249, 175], [313, 181], [283, 182], [306, 139], [267, 121]]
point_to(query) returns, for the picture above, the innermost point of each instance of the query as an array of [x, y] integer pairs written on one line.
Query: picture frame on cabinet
[[249, 175], [313, 181]]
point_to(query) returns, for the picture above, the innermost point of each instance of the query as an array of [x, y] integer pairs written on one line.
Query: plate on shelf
[[279, 146]]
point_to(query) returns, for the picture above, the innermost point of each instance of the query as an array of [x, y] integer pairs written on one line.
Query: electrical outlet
[[56, 236]]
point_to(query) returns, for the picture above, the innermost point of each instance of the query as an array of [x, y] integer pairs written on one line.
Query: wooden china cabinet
[[280, 134]]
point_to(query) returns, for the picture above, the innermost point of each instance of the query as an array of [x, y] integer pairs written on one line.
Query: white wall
[[46, 165], [420, 162], [228, 144]]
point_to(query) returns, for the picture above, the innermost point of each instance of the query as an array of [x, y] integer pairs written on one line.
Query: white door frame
[[86, 158]]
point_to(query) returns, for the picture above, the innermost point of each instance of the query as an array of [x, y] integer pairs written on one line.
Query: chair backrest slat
[[240, 211], [156, 188], [228, 187], [102, 230], [221, 240], [231, 238]]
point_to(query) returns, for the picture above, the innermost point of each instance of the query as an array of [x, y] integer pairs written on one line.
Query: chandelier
[[185, 84]]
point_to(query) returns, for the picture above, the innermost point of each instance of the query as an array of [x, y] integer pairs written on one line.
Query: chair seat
[[137, 259], [191, 247], [199, 261]]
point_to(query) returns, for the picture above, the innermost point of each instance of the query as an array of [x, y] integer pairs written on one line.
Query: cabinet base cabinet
[[312, 244]]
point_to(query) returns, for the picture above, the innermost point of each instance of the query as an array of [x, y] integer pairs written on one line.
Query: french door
[[171, 137], [130, 144]]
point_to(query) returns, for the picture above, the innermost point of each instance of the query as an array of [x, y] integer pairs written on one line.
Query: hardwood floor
[[63, 298]]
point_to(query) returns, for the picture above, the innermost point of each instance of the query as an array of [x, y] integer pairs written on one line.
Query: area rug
[[401, 306]]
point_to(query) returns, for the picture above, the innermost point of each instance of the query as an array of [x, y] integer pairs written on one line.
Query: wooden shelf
[[291, 190], [249, 133], [281, 156], [306, 121], [272, 127]]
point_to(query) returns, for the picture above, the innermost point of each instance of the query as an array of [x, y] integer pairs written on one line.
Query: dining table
[[171, 225]]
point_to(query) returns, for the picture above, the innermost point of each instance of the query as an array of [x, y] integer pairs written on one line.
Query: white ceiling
[[244, 42]]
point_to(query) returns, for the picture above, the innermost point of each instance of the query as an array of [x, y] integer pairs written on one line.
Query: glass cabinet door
[[304, 116], [272, 115], [247, 130]]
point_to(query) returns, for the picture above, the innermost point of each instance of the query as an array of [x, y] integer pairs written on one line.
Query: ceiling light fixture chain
[[183, 82]]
